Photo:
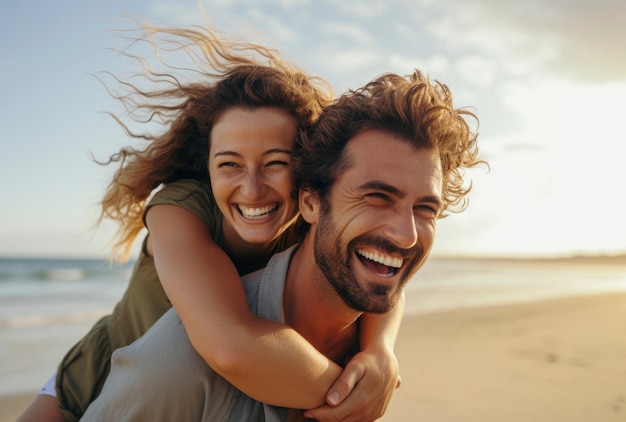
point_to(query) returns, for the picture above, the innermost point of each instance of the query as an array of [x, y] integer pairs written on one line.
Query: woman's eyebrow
[[227, 153], [278, 151], [269, 151]]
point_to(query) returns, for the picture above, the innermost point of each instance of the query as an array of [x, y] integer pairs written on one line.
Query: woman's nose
[[253, 186]]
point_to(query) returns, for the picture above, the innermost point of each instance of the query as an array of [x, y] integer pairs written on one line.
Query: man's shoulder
[[264, 287], [275, 266]]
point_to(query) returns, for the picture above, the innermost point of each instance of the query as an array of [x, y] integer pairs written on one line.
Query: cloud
[[555, 183], [341, 61], [361, 9], [477, 70], [435, 65], [574, 39], [346, 32], [289, 5], [281, 31], [185, 13]]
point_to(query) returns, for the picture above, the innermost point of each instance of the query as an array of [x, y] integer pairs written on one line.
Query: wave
[[41, 320], [61, 274], [20, 269]]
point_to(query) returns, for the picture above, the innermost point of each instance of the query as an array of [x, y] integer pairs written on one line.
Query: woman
[[225, 208]]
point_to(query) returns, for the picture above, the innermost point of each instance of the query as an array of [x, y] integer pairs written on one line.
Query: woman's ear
[[309, 205]]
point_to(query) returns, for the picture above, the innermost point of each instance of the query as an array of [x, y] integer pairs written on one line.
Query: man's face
[[378, 224]]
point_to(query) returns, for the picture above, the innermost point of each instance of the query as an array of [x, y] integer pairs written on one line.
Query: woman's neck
[[247, 257]]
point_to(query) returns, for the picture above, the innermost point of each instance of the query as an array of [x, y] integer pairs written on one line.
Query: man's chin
[[381, 299]]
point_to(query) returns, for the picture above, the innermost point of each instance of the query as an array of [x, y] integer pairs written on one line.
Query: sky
[[546, 78]]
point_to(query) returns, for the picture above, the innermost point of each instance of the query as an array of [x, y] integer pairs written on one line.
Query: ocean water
[[48, 305], [39, 292], [458, 283]]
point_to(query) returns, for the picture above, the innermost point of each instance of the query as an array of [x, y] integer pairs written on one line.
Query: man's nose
[[402, 230]]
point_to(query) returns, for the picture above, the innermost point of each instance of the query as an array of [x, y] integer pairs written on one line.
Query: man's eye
[[378, 197], [427, 211]]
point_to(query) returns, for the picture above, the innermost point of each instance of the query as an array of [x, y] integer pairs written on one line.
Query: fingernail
[[333, 398]]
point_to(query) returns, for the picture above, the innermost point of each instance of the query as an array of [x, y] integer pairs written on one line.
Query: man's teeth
[[387, 260], [257, 212]]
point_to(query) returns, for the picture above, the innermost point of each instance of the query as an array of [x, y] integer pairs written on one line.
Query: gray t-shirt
[[160, 377]]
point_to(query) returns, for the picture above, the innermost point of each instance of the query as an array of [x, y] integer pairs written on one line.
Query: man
[[380, 167]]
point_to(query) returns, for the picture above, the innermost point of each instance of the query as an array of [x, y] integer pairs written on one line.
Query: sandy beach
[[553, 360], [556, 360]]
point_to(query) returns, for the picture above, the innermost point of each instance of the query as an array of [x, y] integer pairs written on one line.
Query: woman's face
[[249, 166]]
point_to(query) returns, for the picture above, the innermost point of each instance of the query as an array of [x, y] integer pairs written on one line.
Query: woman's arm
[[366, 386], [262, 358], [378, 337], [381, 331]]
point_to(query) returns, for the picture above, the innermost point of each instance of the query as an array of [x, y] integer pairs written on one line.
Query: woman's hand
[[363, 390]]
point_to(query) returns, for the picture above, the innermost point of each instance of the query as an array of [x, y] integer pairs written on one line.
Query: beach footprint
[[619, 404]]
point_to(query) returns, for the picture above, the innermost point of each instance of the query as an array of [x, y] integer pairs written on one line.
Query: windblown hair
[[411, 108], [226, 74]]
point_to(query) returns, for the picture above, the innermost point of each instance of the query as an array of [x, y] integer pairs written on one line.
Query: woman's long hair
[[180, 106]]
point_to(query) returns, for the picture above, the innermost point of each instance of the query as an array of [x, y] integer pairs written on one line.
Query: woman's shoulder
[[182, 189], [193, 195]]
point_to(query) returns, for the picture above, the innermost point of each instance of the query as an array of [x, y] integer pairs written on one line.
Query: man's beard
[[336, 265]]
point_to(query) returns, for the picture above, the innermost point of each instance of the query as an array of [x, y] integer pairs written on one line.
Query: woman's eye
[[277, 163], [227, 164]]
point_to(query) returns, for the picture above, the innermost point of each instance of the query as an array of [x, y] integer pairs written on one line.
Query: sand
[[556, 360]]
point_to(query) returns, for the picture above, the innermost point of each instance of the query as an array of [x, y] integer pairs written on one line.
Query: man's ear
[[309, 205]]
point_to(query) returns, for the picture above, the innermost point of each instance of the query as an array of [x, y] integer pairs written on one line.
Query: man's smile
[[379, 263]]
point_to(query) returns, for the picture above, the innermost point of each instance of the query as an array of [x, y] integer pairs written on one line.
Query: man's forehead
[[376, 155]]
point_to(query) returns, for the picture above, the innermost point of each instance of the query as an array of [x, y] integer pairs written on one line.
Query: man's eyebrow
[[435, 200], [392, 190], [269, 151], [385, 187]]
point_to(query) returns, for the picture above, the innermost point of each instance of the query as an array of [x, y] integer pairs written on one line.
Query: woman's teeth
[[257, 213]]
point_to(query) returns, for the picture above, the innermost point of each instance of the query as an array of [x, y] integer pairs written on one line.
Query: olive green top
[[82, 372]]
